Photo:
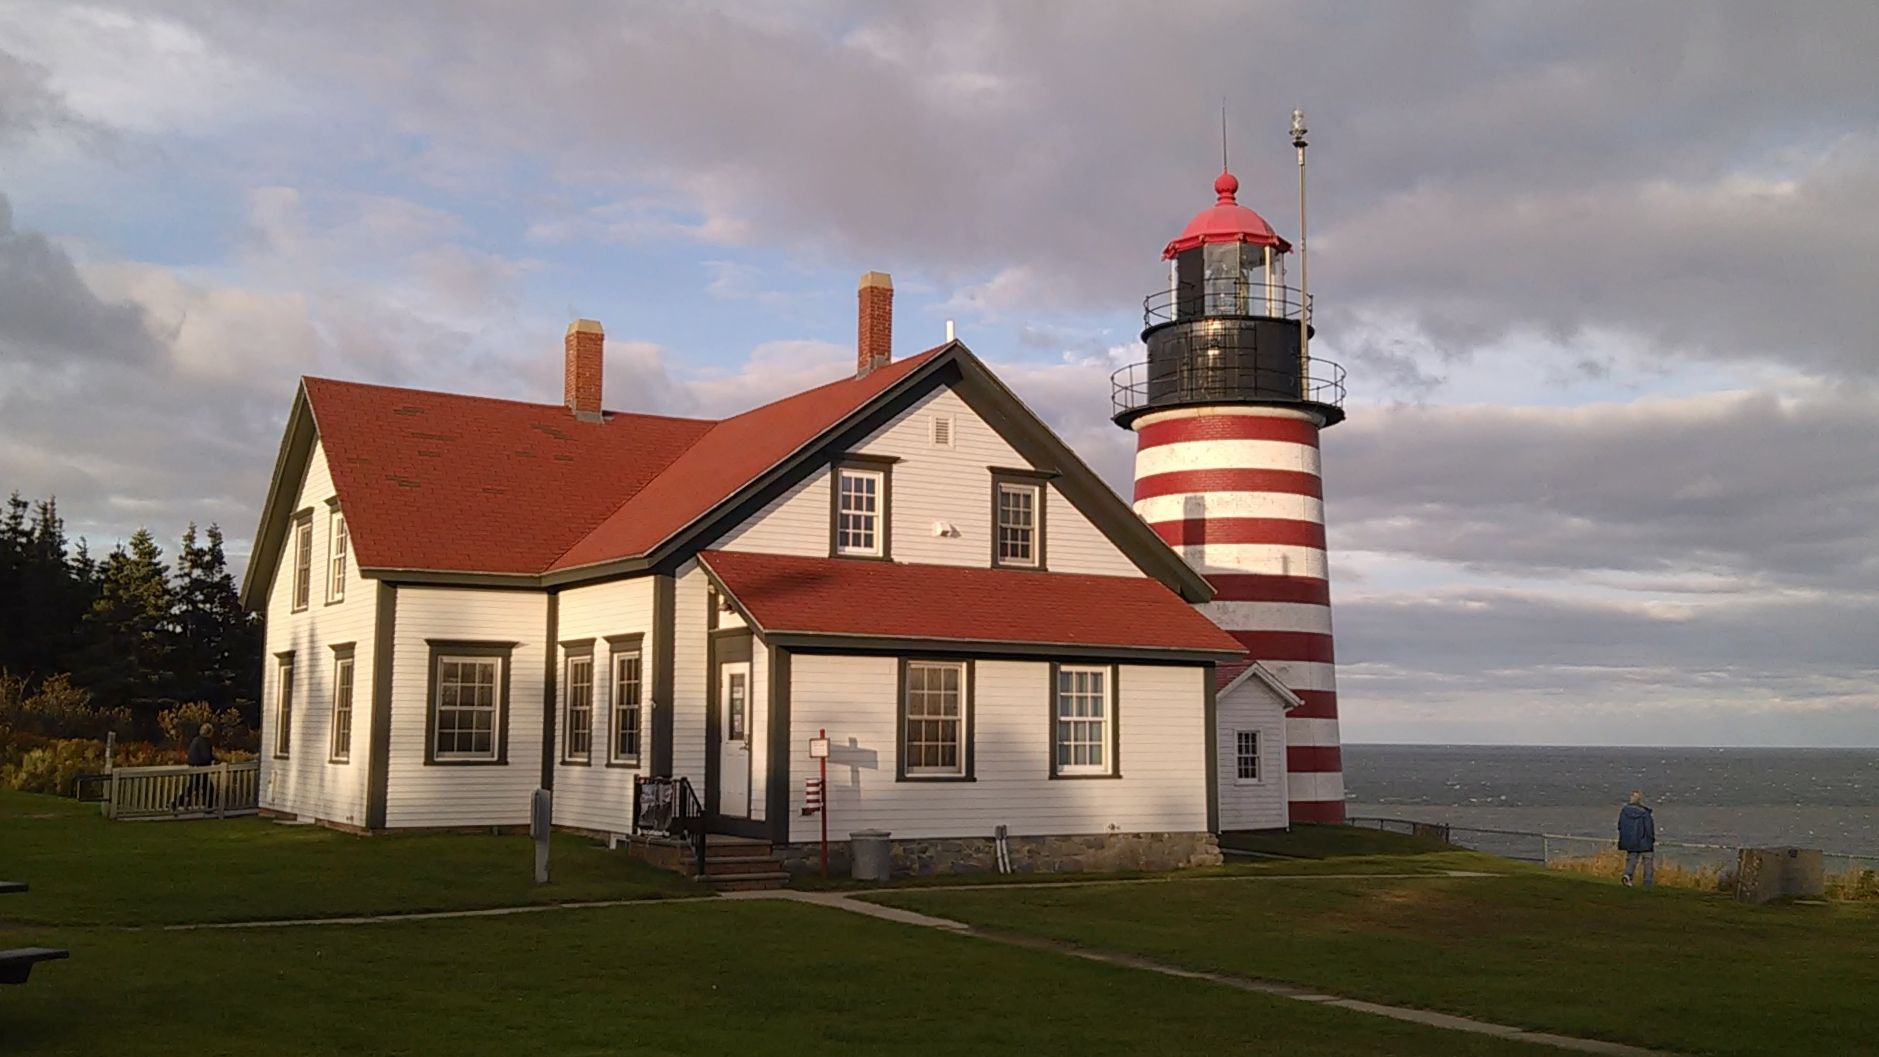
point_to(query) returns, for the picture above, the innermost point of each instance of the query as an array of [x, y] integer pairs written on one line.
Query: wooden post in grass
[[541, 818]]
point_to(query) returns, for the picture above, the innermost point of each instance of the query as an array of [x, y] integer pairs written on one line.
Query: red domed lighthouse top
[[1225, 221]]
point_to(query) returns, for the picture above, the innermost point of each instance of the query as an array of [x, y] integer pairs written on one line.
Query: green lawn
[[85, 869], [692, 977], [1676, 969]]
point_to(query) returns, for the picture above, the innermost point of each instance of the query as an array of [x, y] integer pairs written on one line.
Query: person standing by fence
[[201, 754], [1637, 838]]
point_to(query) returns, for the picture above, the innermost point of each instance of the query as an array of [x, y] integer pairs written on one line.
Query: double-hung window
[[341, 750], [1018, 521], [579, 742], [1084, 712], [1246, 755], [303, 560], [467, 708], [627, 688], [339, 551], [283, 703], [861, 512], [936, 717]]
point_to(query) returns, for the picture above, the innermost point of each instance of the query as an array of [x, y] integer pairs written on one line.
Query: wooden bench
[[16, 965]]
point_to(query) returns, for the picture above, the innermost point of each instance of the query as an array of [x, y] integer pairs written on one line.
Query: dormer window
[[859, 514]]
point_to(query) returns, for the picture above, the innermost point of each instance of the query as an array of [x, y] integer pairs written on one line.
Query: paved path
[[1449, 1022]]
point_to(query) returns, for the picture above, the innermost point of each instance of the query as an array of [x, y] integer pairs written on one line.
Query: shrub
[[1610, 862], [57, 709], [181, 722], [54, 767]]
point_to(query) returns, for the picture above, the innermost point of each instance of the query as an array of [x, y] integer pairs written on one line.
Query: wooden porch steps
[[732, 864], [741, 864]]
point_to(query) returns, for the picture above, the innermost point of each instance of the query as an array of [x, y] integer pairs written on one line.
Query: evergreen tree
[[128, 660], [219, 656], [15, 543]]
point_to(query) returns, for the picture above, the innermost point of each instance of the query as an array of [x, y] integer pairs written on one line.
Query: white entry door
[[734, 739]]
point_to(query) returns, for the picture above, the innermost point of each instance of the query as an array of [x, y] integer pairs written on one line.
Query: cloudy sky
[[1604, 277]]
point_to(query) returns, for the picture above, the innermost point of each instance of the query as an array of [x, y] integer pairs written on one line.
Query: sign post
[[819, 752]]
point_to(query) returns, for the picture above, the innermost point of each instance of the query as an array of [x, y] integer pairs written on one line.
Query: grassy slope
[[668, 978], [1676, 969], [85, 869]]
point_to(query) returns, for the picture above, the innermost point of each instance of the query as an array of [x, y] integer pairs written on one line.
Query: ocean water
[[1815, 798]]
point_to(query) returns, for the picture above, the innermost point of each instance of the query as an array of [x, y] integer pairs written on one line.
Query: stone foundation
[[1088, 853]]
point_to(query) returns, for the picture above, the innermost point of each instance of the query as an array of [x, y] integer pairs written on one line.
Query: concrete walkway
[[1449, 1022]]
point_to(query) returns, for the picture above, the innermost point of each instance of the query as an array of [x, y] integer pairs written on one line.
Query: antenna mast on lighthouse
[[1304, 270]]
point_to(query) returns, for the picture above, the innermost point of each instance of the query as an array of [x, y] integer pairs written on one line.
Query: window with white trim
[[303, 561], [580, 713], [934, 739], [1017, 523], [468, 701], [1246, 755], [283, 704], [342, 708], [1083, 721], [859, 505], [627, 688], [339, 550]]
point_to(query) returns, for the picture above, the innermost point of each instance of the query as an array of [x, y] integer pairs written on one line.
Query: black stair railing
[[670, 807]]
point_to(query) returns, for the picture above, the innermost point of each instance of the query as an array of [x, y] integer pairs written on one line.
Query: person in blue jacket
[[1637, 838]]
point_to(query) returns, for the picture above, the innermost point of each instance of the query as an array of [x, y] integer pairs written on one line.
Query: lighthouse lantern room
[[1227, 408]]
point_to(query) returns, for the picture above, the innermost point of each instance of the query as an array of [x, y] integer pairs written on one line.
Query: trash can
[[868, 855]]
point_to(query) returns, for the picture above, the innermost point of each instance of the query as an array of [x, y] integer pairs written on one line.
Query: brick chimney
[[875, 346], [584, 344]]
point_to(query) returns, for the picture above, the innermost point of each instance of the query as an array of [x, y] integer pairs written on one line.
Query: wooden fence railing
[[220, 789]]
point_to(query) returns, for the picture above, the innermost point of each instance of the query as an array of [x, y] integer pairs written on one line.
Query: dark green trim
[[711, 606], [270, 535], [437, 578], [860, 458], [585, 645], [885, 468], [504, 651], [618, 646], [712, 729], [732, 645], [659, 705], [1040, 534], [549, 671], [776, 791], [378, 759], [1210, 710], [344, 651], [1112, 723], [806, 642], [571, 651], [293, 687], [968, 691]]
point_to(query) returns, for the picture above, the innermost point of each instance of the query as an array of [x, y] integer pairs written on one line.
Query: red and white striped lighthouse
[[1226, 411]]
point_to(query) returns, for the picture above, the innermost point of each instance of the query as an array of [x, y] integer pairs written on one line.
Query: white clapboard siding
[[1163, 759], [941, 500], [1259, 804], [307, 783], [599, 795], [425, 795], [690, 696]]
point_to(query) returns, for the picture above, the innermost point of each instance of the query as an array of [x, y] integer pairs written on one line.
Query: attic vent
[[942, 431]]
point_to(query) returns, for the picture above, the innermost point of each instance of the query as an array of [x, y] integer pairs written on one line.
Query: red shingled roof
[[845, 596], [735, 452], [443, 482]]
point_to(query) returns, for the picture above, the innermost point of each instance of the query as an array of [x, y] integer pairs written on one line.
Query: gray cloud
[[47, 313], [1770, 492]]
